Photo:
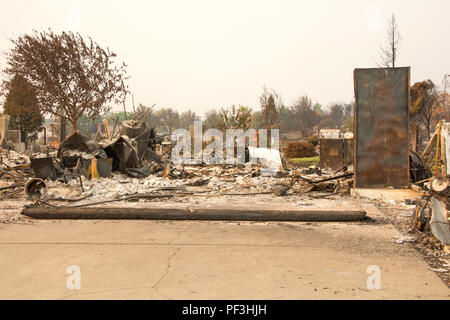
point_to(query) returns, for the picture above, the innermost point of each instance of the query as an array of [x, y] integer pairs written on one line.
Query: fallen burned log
[[13, 186], [202, 213], [346, 175], [12, 175]]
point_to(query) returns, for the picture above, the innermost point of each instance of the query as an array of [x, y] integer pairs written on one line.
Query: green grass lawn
[[309, 161]]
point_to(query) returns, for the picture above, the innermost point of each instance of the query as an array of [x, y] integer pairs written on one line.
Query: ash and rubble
[[131, 164], [186, 185], [10, 159], [68, 176], [84, 171], [191, 180]]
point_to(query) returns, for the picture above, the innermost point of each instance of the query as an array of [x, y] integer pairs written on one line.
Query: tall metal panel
[[331, 153], [335, 153], [381, 157]]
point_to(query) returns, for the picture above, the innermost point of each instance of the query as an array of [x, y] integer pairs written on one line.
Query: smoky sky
[[207, 54]]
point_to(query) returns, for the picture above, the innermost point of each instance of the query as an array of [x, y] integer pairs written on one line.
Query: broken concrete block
[[280, 190]]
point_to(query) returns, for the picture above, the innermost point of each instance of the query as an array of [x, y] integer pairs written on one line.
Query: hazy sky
[[204, 54]]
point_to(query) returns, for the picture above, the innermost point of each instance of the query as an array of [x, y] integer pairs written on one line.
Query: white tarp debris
[[330, 134], [270, 158], [446, 133], [439, 222], [11, 159], [348, 135]]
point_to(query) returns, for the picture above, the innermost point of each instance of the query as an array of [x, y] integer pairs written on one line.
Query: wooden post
[[116, 121], [443, 154], [430, 144], [414, 137], [438, 142], [99, 131], [125, 111], [108, 134]]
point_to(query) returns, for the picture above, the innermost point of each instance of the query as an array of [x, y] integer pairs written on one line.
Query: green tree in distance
[[22, 105]]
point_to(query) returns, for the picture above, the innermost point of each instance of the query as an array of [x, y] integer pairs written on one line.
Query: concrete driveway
[[211, 260]]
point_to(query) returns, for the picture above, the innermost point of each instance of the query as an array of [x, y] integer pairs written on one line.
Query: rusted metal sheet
[[331, 153], [348, 151], [381, 127], [44, 168], [335, 153]]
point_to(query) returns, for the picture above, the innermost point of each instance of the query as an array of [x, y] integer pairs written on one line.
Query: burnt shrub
[[300, 149], [314, 140]]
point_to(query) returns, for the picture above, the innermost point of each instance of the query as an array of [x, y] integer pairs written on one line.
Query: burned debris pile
[[431, 212], [135, 163], [80, 159]]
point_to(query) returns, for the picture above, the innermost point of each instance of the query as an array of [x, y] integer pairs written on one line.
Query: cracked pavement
[[211, 260]]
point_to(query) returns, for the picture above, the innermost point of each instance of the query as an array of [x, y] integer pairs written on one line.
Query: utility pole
[[125, 110], [445, 92]]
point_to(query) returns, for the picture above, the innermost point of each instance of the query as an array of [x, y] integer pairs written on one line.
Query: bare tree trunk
[[428, 130], [393, 50], [63, 129], [393, 42], [414, 137], [74, 125]]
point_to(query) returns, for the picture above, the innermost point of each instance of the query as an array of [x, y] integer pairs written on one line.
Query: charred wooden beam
[[209, 214]]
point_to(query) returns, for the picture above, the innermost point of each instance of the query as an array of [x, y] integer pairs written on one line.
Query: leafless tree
[[169, 119], [304, 115], [187, 119], [271, 104], [337, 113], [211, 119], [389, 51], [327, 123], [146, 114]]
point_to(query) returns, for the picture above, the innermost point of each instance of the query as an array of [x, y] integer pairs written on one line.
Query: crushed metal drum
[[36, 189]]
